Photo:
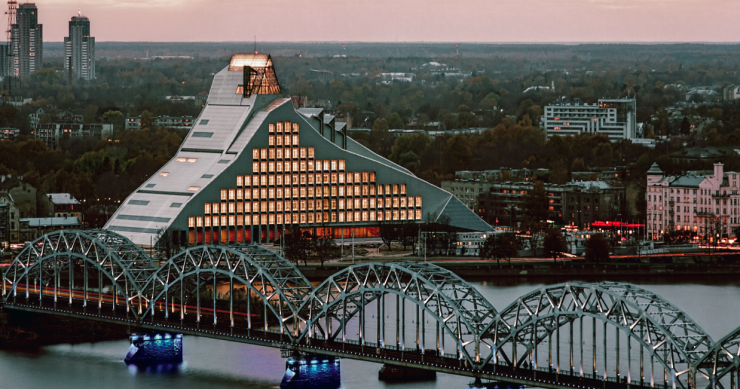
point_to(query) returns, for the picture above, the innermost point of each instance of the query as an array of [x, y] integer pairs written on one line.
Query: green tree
[[147, 120], [380, 140], [116, 118], [395, 121], [597, 248], [90, 114], [554, 243]]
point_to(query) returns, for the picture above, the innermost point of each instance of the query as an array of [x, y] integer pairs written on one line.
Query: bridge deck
[[543, 377]]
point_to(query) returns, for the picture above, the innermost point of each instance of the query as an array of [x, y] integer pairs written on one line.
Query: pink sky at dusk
[[496, 21]]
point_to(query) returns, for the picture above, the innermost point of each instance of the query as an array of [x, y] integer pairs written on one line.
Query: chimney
[[718, 171]]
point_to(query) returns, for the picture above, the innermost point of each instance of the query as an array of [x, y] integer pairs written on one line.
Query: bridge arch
[[116, 258], [669, 334], [722, 362], [456, 307], [266, 275]]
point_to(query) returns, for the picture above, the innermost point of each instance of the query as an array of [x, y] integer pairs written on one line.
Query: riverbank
[[25, 329], [666, 265]]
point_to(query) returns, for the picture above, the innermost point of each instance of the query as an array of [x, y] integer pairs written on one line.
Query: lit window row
[[303, 217], [312, 178], [310, 205], [312, 191], [281, 127]]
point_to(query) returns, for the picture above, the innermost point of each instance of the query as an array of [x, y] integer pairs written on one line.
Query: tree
[[147, 120], [165, 244], [297, 245], [554, 243], [390, 232], [395, 121], [323, 243], [597, 248], [116, 118], [499, 246]]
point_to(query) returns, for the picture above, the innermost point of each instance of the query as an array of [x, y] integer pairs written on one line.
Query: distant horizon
[[564, 43]]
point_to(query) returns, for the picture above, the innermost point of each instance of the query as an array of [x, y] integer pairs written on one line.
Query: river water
[[713, 303]]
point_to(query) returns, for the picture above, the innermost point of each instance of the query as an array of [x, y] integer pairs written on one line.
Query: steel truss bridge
[[572, 335]]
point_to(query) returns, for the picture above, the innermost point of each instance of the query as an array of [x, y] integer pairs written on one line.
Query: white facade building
[[612, 117], [702, 206]]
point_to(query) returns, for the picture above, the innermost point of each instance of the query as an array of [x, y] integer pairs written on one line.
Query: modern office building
[[27, 40], [612, 117], [253, 167], [703, 207], [79, 49]]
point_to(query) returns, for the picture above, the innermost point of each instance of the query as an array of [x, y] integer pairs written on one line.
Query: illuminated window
[[372, 177], [295, 206], [223, 207], [334, 178], [310, 166], [239, 220], [326, 165], [271, 193], [239, 181], [310, 152], [247, 194], [357, 190], [263, 153], [303, 152], [349, 203], [365, 216], [395, 214], [271, 128], [395, 189], [271, 219], [247, 220], [295, 179], [231, 194], [295, 192], [403, 202], [279, 218], [333, 217], [380, 216], [189, 160], [271, 140], [271, 167], [231, 220], [387, 189], [207, 221], [279, 142], [372, 203], [255, 167], [164, 174], [263, 219], [295, 127], [333, 164], [286, 167], [263, 167], [263, 193], [410, 202], [231, 208], [349, 216], [279, 126], [349, 178], [365, 190], [387, 202], [263, 180], [403, 189], [357, 177], [303, 166], [207, 208], [287, 141], [255, 206], [279, 180], [395, 202], [247, 180], [380, 190], [364, 203], [340, 177], [372, 190], [303, 217], [341, 217], [418, 214], [271, 179], [279, 206], [263, 206], [194, 188], [341, 165], [357, 216], [418, 201], [215, 221], [255, 153], [303, 192], [310, 205], [199, 221], [295, 218], [341, 190], [239, 207], [318, 217], [191, 222]]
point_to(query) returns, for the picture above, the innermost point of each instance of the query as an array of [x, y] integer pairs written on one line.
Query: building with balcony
[[176, 122], [53, 133], [467, 191], [614, 118], [503, 203], [27, 41], [79, 49], [253, 167], [703, 206]]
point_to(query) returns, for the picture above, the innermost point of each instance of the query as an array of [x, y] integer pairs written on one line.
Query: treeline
[[100, 174]]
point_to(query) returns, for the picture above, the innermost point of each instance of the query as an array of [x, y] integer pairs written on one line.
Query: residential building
[[499, 175], [79, 49], [704, 207], [27, 41], [586, 202], [503, 204], [177, 122], [65, 205], [731, 92], [9, 133], [35, 227], [614, 118], [467, 191], [253, 167], [53, 133], [9, 219], [704, 154], [21, 193]]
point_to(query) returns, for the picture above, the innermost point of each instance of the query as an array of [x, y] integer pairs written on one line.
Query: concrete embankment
[[678, 265], [26, 329]]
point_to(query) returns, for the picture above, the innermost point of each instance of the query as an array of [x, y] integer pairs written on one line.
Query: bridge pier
[[154, 349], [303, 370]]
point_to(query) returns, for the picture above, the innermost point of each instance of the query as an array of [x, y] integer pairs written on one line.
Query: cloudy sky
[[402, 20]]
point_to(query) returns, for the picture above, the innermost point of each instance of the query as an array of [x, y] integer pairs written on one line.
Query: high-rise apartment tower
[[79, 49], [27, 40]]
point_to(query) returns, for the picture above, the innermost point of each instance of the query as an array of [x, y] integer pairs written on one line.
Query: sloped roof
[[51, 221], [62, 199], [461, 216]]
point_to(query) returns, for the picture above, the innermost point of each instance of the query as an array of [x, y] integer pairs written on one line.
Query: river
[[712, 302]]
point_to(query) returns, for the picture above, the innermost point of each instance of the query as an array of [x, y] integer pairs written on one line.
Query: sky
[[491, 21]]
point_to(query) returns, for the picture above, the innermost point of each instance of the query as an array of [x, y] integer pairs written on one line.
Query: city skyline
[[527, 21]]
